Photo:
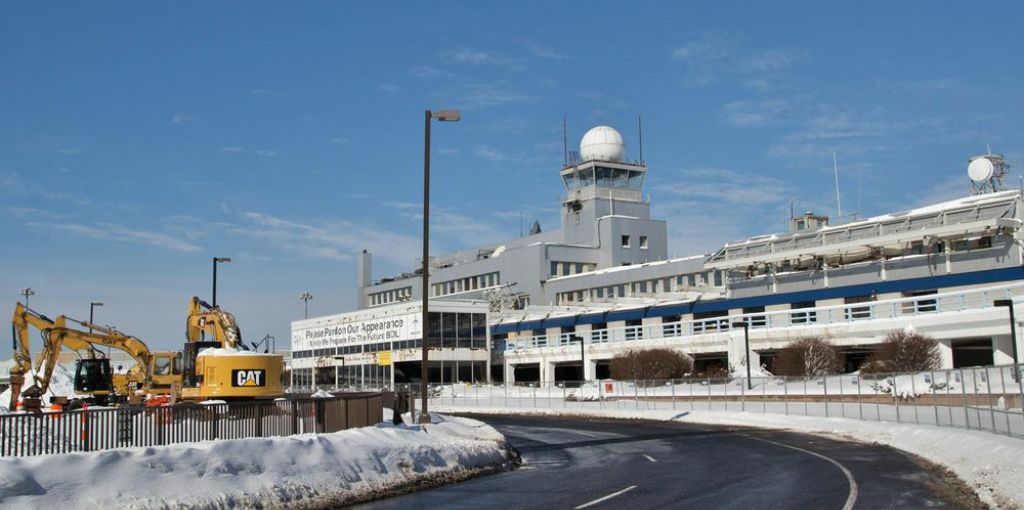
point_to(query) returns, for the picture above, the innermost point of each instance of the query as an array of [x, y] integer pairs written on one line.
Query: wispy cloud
[[32, 212], [232, 148], [70, 150], [753, 113], [340, 140], [541, 51], [723, 185], [181, 118], [387, 87], [267, 153], [429, 72], [120, 233], [464, 55], [713, 54], [334, 240], [492, 94], [490, 153], [447, 151], [10, 181]]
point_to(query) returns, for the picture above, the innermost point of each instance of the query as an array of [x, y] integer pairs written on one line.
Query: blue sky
[[138, 140]]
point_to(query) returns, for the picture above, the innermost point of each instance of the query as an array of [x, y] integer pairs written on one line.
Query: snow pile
[[741, 371], [988, 462], [321, 394], [225, 351], [309, 471], [62, 384]]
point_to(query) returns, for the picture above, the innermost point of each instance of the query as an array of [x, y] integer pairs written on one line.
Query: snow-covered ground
[[306, 471], [62, 384], [988, 462]]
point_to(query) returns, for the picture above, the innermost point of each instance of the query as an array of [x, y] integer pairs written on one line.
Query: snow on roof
[[948, 205], [223, 351], [631, 267]]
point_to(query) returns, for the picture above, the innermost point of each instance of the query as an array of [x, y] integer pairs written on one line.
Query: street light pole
[[27, 291], [746, 342], [217, 260], [92, 306], [443, 116], [583, 359], [1008, 303], [305, 297]]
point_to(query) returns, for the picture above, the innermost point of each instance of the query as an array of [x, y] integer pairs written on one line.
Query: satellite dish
[[980, 169]]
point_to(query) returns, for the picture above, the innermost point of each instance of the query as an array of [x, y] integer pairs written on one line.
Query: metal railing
[[975, 299], [85, 430], [981, 398]]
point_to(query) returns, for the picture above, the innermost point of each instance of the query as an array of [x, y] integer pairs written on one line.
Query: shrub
[[808, 357], [647, 365], [904, 351]]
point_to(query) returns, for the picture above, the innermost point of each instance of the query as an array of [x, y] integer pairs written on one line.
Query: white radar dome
[[602, 143], [980, 169]]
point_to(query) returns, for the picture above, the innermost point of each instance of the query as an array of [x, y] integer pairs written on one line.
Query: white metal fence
[[982, 398]]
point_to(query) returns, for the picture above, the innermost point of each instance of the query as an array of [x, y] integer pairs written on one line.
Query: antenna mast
[[565, 143], [835, 168], [640, 129]]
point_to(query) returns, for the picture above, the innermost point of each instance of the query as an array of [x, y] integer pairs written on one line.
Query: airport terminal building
[[605, 278]]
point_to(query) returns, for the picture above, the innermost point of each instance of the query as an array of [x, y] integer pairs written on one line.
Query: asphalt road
[[581, 463]]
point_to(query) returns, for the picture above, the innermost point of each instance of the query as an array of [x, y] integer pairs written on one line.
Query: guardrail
[[982, 398], [93, 429], [975, 299]]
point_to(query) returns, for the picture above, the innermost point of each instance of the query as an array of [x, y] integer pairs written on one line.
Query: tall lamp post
[[27, 291], [443, 116], [583, 358], [217, 260], [1008, 303], [305, 297], [92, 306], [746, 342]]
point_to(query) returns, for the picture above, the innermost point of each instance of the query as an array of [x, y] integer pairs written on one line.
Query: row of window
[[643, 288], [627, 239], [604, 177], [391, 296], [465, 284], [571, 268]]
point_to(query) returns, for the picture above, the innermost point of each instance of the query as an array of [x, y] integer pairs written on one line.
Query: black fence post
[[295, 417], [216, 423], [259, 419]]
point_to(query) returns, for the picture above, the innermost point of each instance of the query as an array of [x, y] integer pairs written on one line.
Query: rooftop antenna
[[565, 142], [835, 168], [860, 190], [520, 223], [640, 129]]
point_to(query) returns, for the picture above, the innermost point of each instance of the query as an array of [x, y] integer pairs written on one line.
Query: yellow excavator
[[153, 372], [23, 317], [218, 364]]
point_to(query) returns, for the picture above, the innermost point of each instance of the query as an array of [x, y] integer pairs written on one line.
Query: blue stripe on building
[[881, 287]]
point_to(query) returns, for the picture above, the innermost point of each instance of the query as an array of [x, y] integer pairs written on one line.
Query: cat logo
[[242, 378]]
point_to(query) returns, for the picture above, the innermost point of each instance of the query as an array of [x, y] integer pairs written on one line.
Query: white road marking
[[605, 498], [648, 457], [852, 497]]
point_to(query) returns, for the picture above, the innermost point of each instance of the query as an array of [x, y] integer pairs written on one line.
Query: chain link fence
[[979, 398]]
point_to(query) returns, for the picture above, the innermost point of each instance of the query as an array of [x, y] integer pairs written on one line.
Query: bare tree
[[809, 357], [904, 351], [649, 365]]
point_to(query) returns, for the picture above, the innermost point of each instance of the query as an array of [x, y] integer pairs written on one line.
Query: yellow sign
[[384, 358]]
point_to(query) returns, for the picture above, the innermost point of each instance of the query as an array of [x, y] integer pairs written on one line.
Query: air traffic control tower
[[603, 205], [605, 224]]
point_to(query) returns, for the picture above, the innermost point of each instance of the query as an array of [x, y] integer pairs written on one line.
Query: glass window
[[625, 241], [620, 178], [643, 242], [604, 177], [586, 177]]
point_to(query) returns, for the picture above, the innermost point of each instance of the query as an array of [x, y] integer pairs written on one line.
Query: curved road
[[580, 463]]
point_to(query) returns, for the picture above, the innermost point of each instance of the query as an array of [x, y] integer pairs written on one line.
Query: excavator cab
[[190, 377], [93, 375]]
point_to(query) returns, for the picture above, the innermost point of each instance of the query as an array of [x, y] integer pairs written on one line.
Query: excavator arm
[[22, 320], [219, 324]]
